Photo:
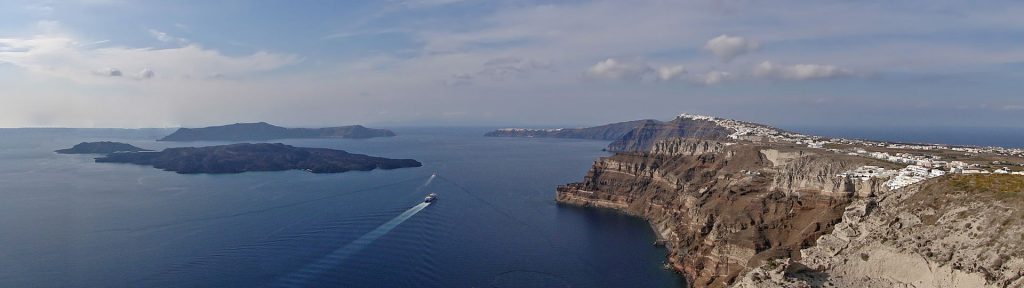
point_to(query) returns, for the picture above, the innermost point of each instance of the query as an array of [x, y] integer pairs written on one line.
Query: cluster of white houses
[[528, 130], [754, 132], [895, 178], [919, 167]]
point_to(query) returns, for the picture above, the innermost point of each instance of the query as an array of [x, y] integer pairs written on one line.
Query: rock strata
[[748, 210], [952, 231]]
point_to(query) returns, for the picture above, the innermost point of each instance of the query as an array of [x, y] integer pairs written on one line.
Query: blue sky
[[113, 63]]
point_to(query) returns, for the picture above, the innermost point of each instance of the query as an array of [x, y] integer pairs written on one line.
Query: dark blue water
[[68, 222], [1012, 137]]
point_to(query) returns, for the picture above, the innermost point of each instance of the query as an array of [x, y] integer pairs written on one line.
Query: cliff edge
[[747, 205]]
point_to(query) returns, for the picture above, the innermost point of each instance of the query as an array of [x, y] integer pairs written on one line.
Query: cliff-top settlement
[[747, 205]]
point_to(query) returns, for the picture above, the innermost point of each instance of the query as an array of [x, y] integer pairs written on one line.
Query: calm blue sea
[[66, 221]]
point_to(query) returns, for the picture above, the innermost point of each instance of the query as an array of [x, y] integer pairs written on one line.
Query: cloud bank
[[66, 57], [729, 47], [770, 70], [613, 69]]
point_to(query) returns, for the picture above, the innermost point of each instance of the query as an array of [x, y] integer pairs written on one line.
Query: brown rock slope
[[643, 137], [723, 209], [952, 231]]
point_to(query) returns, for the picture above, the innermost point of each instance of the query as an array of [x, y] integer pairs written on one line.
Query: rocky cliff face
[[721, 209], [953, 231], [645, 136], [686, 147], [760, 214], [805, 171]]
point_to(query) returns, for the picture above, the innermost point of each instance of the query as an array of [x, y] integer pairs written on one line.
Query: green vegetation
[[1002, 186]]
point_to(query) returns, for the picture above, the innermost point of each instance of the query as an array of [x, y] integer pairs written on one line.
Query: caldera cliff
[[761, 207]]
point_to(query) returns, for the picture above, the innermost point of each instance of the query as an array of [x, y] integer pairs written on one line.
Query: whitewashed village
[[923, 162]]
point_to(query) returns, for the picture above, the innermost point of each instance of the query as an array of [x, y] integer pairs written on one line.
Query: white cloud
[[613, 69], [671, 72], [617, 70], [39, 8], [767, 69], [109, 72], [511, 67], [459, 80], [168, 38], [145, 74], [48, 26], [729, 47], [63, 56], [501, 69], [715, 78]]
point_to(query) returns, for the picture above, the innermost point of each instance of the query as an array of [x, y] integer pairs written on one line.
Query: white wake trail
[[301, 277], [431, 179]]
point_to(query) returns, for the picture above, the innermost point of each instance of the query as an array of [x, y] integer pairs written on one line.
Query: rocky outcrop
[[103, 147], [804, 171], [263, 131], [643, 137], [952, 231], [686, 147], [722, 211], [238, 158], [612, 131], [769, 214]]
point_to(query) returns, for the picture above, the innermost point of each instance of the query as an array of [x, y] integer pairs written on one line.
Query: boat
[[430, 198]]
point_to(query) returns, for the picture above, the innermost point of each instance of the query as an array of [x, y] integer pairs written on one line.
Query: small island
[[245, 157], [264, 131], [104, 147]]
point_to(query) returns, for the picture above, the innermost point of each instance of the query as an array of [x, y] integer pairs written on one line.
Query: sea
[[66, 221]]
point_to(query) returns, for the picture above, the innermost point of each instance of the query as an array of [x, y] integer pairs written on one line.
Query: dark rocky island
[[104, 147], [245, 157], [263, 131]]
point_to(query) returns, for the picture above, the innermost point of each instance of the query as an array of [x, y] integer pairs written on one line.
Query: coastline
[[564, 196]]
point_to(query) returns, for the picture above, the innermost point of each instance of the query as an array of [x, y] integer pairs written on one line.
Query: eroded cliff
[[768, 214], [953, 231], [721, 209]]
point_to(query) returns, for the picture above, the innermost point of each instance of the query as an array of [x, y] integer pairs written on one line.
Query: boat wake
[[302, 277], [425, 184]]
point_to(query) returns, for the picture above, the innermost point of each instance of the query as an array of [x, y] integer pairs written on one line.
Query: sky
[[132, 64]]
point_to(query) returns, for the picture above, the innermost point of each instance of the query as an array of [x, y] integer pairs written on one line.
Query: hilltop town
[[923, 161]]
